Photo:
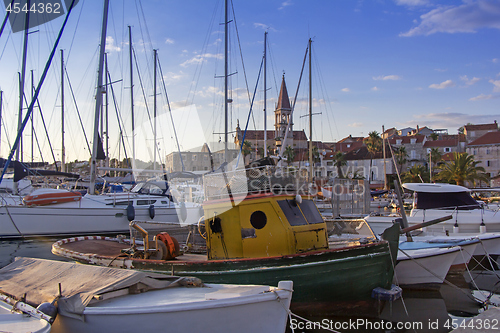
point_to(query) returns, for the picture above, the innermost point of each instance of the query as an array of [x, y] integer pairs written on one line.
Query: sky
[[392, 63]]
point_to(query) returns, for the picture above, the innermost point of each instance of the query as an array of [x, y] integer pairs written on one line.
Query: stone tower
[[282, 115]]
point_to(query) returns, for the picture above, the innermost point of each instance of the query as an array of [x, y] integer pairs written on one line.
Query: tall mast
[[1, 102], [31, 118], [311, 168], [226, 19], [63, 151], [21, 84], [131, 91], [265, 95], [383, 149], [107, 104], [154, 103], [98, 99]]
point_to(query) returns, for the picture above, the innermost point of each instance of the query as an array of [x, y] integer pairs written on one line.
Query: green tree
[[435, 157], [401, 156], [416, 174], [461, 169], [246, 149], [339, 163], [289, 153], [374, 144], [434, 136], [315, 153]]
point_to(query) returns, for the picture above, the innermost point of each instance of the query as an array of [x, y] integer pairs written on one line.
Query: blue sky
[[396, 63]]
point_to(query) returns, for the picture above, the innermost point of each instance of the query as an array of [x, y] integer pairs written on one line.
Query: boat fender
[[182, 211], [49, 309], [173, 247], [151, 210], [215, 225], [130, 212]]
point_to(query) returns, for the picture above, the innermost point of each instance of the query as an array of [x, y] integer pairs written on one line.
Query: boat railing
[[226, 184]]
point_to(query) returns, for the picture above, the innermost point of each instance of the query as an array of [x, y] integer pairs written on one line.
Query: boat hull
[[322, 279], [264, 312]]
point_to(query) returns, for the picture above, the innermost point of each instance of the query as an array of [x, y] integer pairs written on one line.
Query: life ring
[[202, 234]]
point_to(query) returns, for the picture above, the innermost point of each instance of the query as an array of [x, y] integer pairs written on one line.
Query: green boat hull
[[333, 275]]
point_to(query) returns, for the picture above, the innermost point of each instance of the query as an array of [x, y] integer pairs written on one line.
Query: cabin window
[[258, 219], [292, 212], [310, 212], [120, 203], [145, 202]]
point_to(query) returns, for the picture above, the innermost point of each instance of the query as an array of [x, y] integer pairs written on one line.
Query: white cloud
[[356, 125], [285, 4], [374, 89], [110, 45], [449, 120], [481, 97], [494, 60], [442, 85], [169, 41], [411, 3], [496, 84], [387, 77], [171, 77], [345, 90], [468, 17], [471, 81], [199, 58]]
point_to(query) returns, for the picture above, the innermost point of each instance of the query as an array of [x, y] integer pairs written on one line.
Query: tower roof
[[283, 100]]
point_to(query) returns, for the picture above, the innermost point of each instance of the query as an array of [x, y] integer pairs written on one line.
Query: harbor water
[[437, 309]]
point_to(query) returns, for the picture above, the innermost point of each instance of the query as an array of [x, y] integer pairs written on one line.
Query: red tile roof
[[489, 138], [406, 139], [441, 143], [482, 127]]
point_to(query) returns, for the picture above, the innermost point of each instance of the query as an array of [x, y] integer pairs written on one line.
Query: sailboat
[[96, 213]]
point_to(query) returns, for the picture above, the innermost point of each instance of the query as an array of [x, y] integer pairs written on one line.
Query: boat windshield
[[157, 188], [446, 200], [300, 214]]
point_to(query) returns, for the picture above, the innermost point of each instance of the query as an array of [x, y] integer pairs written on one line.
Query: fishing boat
[[101, 299], [260, 235]]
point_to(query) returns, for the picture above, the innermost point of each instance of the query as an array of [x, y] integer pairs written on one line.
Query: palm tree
[[339, 163], [374, 144], [401, 157], [315, 155], [247, 149], [416, 174], [461, 169], [436, 156], [289, 153]]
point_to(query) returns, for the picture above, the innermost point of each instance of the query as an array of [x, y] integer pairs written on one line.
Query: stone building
[[486, 150], [473, 132]]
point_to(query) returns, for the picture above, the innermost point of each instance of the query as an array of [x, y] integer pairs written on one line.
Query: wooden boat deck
[[106, 248]]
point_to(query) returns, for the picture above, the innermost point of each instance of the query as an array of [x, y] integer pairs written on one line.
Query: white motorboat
[[432, 201], [53, 214], [467, 247], [16, 321], [424, 266], [102, 299]]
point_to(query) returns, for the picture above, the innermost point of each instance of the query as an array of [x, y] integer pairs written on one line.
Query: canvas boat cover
[[39, 279]]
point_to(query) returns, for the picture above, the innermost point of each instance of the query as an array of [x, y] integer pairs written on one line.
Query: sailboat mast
[[154, 102], [63, 151], [21, 84], [131, 91], [226, 19], [107, 105], [31, 118], [383, 149], [311, 167], [265, 94], [1, 103], [98, 100]]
